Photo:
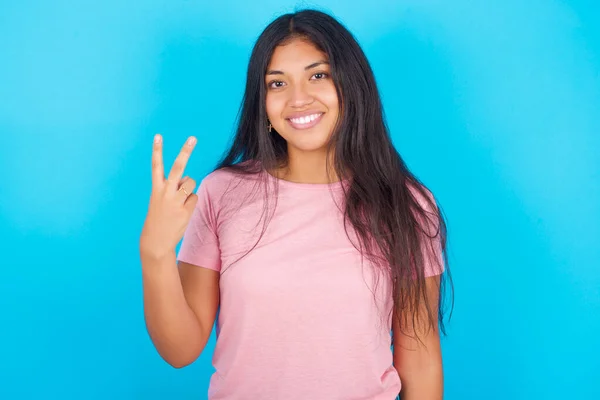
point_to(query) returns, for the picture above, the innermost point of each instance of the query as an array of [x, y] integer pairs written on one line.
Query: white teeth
[[305, 120]]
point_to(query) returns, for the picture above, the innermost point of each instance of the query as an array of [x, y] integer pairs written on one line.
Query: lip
[[305, 114]]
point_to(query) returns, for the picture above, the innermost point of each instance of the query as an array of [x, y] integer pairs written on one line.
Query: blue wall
[[495, 105]]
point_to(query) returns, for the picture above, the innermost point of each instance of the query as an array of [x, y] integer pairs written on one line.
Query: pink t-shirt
[[302, 316]]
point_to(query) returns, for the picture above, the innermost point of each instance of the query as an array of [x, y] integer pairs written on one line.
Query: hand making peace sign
[[172, 203]]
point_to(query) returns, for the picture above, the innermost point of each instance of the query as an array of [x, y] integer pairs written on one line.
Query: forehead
[[295, 55]]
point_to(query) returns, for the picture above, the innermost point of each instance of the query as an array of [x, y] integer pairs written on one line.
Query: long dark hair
[[395, 217]]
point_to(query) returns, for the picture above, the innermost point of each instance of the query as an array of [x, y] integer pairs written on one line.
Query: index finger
[[181, 161], [158, 172]]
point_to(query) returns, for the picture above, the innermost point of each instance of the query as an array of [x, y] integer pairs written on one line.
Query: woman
[[311, 238]]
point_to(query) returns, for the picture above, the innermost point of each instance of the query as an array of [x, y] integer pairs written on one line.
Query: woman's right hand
[[172, 203]]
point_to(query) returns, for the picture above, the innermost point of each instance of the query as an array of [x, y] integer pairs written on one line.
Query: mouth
[[305, 122]]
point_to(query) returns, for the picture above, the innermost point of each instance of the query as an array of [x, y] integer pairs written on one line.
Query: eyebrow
[[311, 66]]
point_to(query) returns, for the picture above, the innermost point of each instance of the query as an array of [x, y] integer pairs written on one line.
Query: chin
[[307, 144]]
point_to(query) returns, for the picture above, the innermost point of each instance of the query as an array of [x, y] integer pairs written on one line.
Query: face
[[302, 103]]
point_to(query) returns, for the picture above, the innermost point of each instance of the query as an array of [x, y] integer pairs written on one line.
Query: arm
[[419, 364], [180, 306]]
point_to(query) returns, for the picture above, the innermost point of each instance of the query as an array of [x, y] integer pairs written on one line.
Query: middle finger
[[181, 161]]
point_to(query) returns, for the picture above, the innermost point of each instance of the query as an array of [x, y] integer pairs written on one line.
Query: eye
[[321, 75], [275, 84]]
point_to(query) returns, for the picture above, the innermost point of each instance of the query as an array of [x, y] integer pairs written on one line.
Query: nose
[[300, 96]]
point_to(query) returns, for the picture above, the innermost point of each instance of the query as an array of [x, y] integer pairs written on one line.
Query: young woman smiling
[[321, 257]]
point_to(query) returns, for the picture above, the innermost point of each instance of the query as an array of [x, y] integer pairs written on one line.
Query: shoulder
[[226, 180], [422, 196], [217, 179], [426, 209]]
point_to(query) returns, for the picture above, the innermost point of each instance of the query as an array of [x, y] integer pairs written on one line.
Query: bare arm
[[420, 364], [180, 306], [180, 303]]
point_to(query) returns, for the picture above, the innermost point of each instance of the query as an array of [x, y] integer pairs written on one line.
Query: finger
[[186, 188], [181, 161], [183, 180], [190, 202], [158, 171]]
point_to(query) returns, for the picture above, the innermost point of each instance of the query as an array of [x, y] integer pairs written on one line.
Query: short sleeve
[[200, 244], [433, 256], [431, 236]]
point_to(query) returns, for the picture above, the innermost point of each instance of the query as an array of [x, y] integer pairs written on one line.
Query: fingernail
[[157, 138], [191, 141]]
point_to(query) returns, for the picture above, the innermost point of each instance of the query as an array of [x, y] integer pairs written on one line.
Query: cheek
[[274, 107], [330, 99]]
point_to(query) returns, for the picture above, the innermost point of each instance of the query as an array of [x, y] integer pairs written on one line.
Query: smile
[[305, 122]]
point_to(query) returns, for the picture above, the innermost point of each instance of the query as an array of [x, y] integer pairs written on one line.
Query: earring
[[270, 127]]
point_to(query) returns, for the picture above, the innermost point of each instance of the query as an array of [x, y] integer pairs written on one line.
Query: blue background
[[495, 105]]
